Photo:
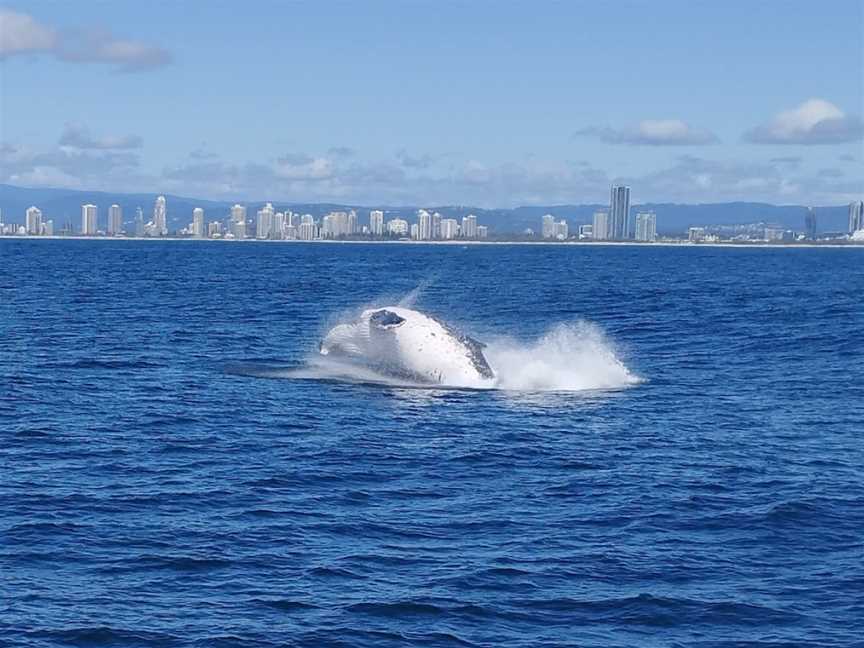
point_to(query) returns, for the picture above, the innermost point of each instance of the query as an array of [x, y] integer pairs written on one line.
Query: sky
[[489, 104]]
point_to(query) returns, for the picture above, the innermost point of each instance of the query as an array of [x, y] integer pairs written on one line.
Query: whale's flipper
[[385, 320], [475, 353]]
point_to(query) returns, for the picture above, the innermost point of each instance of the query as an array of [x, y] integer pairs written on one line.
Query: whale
[[403, 343]]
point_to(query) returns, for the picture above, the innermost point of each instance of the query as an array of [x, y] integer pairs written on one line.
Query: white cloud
[[21, 34], [79, 137], [653, 132], [815, 121]]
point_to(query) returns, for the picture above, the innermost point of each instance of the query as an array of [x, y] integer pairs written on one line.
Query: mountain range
[[64, 206]]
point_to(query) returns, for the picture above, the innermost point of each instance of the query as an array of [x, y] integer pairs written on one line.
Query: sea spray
[[570, 357]]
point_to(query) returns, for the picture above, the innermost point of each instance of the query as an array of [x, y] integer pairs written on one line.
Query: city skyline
[[770, 115]]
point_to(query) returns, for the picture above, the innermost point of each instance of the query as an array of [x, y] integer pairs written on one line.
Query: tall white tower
[[376, 222], [89, 220], [115, 220], [160, 216], [33, 221], [198, 222]]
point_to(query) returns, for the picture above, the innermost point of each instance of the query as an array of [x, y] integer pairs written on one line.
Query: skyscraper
[[238, 214], [264, 221], [160, 216], [600, 226], [198, 222], [449, 228], [376, 222], [646, 226], [548, 228], [33, 221], [436, 225], [619, 213], [115, 220], [469, 226], [856, 216], [424, 225], [810, 224], [89, 220], [139, 222]]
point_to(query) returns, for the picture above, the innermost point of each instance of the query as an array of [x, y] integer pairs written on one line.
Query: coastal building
[[482, 232], [600, 226], [139, 222], [856, 216], [376, 222], [424, 225], [810, 224], [48, 228], [198, 222], [436, 225], [696, 234], [353, 226], [277, 227], [469, 226], [307, 230], [562, 232], [33, 221], [619, 213], [449, 229], [548, 227], [238, 214], [115, 220], [238, 229], [397, 227], [337, 224], [214, 229], [89, 220], [160, 216], [646, 226], [415, 231], [264, 221], [586, 231]]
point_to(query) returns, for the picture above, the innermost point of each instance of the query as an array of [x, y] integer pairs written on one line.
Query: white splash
[[570, 357]]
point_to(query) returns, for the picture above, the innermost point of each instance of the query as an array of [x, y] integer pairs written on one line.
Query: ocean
[[672, 455]]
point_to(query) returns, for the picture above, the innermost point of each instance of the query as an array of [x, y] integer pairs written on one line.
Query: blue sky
[[491, 104]]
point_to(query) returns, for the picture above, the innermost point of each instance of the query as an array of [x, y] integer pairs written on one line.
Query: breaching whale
[[408, 344]]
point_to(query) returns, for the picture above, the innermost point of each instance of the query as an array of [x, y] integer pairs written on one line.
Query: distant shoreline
[[685, 244]]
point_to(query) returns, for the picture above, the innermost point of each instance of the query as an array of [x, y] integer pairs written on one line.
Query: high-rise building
[[89, 220], [600, 226], [810, 224], [449, 228], [238, 213], [198, 222], [353, 227], [436, 225], [115, 220], [856, 216], [277, 227], [562, 231], [337, 224], [469, 226], [307, 230], [376, 222], [33, 221], [586, 231], [696, 234], [424, 225], [264, 222], [48, 228], [548, 229], [160, 216], [482, 232], [619, 213], [214, 229], [139, 222], [646, 226], [397, 227]]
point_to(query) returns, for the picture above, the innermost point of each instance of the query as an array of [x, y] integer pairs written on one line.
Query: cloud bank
[[22, 35], [815, 121], [652, 132]]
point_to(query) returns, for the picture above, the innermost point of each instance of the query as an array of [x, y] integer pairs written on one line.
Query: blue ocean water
[[676, 460]]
